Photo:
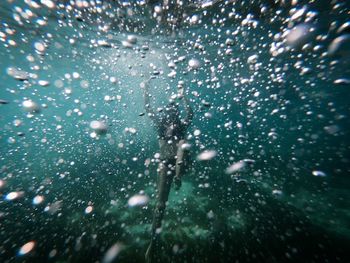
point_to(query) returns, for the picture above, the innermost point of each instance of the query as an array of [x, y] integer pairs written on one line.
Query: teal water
[[271, 101]]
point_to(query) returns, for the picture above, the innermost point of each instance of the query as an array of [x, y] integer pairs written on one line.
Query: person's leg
[[180, 164], [164, 184], [165, 172]]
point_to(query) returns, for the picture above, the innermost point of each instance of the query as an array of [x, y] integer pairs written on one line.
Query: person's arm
[[147, 103]]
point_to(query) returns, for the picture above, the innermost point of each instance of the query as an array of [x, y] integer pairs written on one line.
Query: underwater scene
[[174, 131]]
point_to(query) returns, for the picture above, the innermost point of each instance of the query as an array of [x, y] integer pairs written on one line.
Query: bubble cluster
[[195, 125]]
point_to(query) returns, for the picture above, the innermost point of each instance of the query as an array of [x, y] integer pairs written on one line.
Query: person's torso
[[172, 131], [168, 149]]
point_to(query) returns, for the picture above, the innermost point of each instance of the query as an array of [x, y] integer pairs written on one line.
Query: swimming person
[[171, 135]]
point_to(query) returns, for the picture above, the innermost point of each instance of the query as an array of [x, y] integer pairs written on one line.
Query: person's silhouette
[[171, 131]]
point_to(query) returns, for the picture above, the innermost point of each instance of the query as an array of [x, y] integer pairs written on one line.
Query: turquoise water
[[268, 83]]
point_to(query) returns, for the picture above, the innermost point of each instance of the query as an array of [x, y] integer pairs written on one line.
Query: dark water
[[270, 101]]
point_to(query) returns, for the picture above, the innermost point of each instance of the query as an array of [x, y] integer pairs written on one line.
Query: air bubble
[[26, 248], [318, 173], [138, 200], [206, 155]]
